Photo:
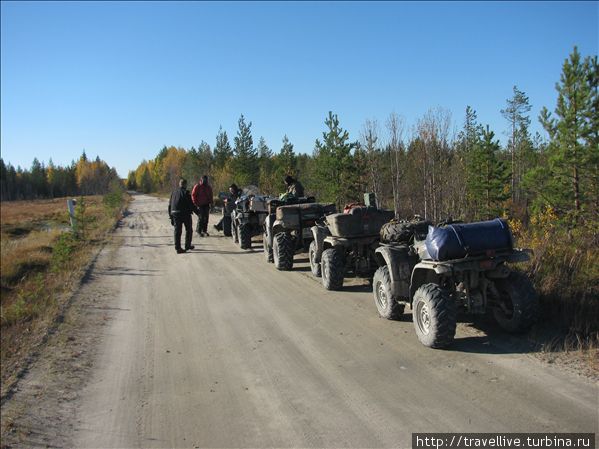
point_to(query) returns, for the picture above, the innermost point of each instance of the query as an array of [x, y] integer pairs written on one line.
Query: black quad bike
[[247, 219], [288, 230], [458, 267], [345, 244]]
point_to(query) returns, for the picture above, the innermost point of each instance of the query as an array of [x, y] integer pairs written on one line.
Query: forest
[[427, 168], [84, 177]]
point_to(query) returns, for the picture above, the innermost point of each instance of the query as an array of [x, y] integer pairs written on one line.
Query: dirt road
[[215, 348]]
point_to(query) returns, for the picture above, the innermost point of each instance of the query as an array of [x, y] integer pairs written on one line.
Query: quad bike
[[288, 230], [247, 219], [345, 244], [458, 267]]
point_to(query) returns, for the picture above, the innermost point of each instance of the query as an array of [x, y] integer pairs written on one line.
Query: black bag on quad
[[456, 241]]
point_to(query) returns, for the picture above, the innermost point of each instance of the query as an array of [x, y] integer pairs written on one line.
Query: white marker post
[[71, 203]]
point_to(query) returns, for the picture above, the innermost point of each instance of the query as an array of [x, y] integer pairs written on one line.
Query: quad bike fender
[[319, 234], [268, 228], [277, 226], [398, 263], [424, 273]]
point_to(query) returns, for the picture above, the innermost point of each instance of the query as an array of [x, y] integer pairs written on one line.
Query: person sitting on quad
[[234, 192], [294, 187]]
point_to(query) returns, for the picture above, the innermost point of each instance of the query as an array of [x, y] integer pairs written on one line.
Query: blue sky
[[121, 80]]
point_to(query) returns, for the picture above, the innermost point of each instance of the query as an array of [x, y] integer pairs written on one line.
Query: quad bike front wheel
[[227, 226], [314, 259], [434, 313], [283, 251], [267, 249], [245, 237], [333, 268], [234, 232], [386, 304]]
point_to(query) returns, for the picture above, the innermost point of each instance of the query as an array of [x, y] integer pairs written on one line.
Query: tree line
[[426, 169], [84, 177]]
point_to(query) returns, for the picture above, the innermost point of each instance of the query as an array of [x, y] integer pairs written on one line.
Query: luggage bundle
[[274, 203], [293, 215], [358, 221], [404, 231], [259, 204], [456, 241]]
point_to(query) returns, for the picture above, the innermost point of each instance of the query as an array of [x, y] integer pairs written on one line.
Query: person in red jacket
[[201, 196]]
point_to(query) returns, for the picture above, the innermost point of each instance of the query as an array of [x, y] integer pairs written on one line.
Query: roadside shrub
[[565, 271], [113, 200], [63, 250], [28, 304]]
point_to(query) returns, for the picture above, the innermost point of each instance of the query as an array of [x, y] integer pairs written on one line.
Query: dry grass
[[41, 261], [565, 270]]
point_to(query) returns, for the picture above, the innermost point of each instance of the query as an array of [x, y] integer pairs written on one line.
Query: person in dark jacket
[[229, 203], [294, 187], [202, 198], [180, 208]]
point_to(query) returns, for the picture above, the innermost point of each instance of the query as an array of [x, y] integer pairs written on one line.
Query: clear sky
[[121, 80]]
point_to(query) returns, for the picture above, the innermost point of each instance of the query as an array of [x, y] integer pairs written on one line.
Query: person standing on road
[[294, 187], [201, 196], [180, 208]]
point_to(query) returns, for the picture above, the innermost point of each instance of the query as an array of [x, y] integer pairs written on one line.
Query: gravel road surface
[[216, 348]]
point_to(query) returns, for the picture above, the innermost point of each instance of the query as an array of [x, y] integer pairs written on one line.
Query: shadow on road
[[211, 251], [123, 271]]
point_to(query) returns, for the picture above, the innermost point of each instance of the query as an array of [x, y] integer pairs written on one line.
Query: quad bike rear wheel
[[518, 303]]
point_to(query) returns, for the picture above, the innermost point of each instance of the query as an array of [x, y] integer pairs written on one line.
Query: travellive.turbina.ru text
[[503, 440]]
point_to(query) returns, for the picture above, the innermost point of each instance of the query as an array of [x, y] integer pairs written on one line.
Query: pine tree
[[591, 135], [222, 149], [487, 177], [468, 140], [245, 158], [266, 168], [515, 113], [566, 183], [334, 171], [287, 158]]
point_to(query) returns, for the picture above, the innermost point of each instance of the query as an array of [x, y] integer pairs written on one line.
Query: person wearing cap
[[180, 208], [294, 187], [202, 198]]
